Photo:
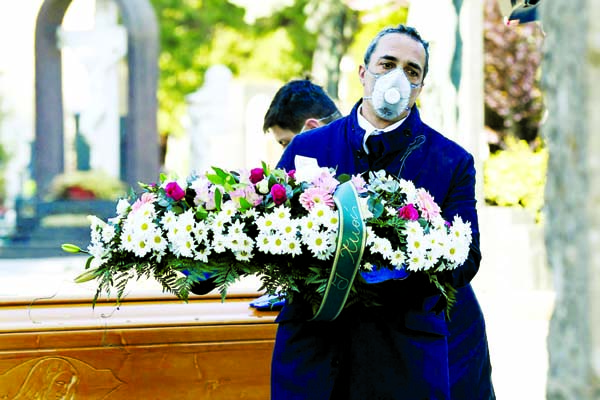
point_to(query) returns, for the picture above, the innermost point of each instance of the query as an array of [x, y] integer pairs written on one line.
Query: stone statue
[[211, 116], [100, 51]]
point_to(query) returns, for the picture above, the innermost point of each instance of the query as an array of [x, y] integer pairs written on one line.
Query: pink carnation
[[144, 199], [325, 180], [428, 206], [316, 195], [359, 183], [248, 193]]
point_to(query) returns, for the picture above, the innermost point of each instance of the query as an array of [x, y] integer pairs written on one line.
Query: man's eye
[[388, 65]]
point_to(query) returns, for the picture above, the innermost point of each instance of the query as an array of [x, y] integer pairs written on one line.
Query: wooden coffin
[[159, 348]]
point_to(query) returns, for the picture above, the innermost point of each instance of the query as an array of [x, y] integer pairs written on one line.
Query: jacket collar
[[396, 139]]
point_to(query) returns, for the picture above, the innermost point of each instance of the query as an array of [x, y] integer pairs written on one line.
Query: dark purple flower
[[256, 175], [278, 193], [174, 191]]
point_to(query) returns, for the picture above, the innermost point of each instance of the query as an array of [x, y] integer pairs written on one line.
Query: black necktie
[[375, 145]]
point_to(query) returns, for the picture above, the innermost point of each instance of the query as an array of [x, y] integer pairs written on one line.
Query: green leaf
[[375, 206], [201, 213], [244, 204], [265, 168], [343, 178], [218, 199], [215, 179]]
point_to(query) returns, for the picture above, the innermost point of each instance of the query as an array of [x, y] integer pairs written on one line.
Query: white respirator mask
[[391, 94]]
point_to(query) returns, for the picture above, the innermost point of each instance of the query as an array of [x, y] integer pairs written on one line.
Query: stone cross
[[100, 51], [211, 115]]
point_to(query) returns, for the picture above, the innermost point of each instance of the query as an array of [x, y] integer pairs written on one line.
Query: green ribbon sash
[[349, 252]]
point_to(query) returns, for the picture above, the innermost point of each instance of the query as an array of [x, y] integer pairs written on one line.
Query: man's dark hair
[[402, 29], [297, 101]]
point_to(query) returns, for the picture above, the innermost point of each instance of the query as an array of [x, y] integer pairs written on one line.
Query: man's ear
[[311, 123], [361, 74]]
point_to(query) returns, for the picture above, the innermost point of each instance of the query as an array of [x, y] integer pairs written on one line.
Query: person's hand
[[382, 274]]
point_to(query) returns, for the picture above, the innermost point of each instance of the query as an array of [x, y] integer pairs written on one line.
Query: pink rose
[[278, 193], [408, 212], [256, 175], [174, 191], [292, 174]]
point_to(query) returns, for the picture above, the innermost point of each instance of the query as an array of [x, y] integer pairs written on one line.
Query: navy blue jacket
[[405, 349]]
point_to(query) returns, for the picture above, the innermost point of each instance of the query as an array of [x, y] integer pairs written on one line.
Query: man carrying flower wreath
[[405, 347]]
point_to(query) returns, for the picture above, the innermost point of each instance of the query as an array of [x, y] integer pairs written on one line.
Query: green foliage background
[[195, 34]]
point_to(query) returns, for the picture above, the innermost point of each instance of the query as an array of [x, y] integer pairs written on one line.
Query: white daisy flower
[[325, 254], [409, 189], [219, 243], [397, 259], [146, 210], [182, 245], [243, 255], [108, 233], [281, 214], [228, 210], [331, 220], [308, 225], [460, 228], [250, 213], [288, 228], [157, 242], [186, 221], [122, 207], [367, 266], [413, 228], [202, 254], [169, 220], [391, 211], [370, 236], [318, 242], [416, 243], [321, 214], [201, 230], [266, 222], [236, 228], [278, 245], [416, 261], [293, 247], [263, 242]]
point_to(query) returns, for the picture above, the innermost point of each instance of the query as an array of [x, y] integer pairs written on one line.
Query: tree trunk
[[571, 79]]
